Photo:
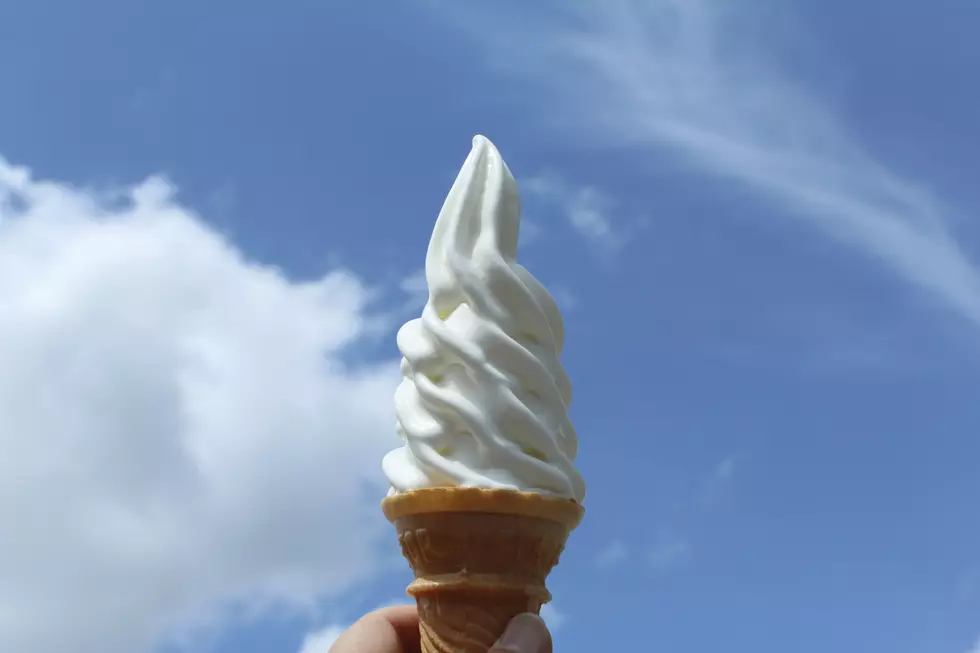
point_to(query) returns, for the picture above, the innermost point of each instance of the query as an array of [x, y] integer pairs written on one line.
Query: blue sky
[[760, 222]]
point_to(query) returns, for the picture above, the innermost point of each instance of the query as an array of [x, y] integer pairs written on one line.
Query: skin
[[396, 630]]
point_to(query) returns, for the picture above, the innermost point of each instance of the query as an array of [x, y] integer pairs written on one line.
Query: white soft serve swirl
[[484, 398]]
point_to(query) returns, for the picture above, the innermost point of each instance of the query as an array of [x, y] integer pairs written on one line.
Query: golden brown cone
[[480, 558]]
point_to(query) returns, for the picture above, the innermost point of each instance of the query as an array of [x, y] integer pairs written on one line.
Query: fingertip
[[393, 628], [525, 633], [400, 614]]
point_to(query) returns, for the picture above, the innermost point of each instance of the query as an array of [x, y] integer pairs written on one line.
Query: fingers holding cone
[[526, 633], [395, 629]]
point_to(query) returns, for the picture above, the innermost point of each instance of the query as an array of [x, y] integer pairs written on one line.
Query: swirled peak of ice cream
[[484, 398]]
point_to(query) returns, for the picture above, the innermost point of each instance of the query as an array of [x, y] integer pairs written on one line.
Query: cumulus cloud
[[179, 431], [698, 80]]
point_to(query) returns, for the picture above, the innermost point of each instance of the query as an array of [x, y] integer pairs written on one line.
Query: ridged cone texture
[[480, 558]]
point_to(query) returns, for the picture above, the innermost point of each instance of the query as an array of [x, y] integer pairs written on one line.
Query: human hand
[[396, 630]]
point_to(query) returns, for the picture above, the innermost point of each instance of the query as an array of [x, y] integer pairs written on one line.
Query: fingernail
[[526, 633]]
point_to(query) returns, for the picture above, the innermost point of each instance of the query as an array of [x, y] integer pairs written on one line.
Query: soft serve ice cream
[[484, 398], [483, 492]]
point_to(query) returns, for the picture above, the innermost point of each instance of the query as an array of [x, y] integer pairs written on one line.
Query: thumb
[[526, 633]]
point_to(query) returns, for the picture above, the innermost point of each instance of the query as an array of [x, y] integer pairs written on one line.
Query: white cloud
[[693, 79], [415, 286], [976, 647], [567, 301], [615, 553], [552, 617], [416, 292], [586, 208], [669, 552], [322, 640], [179, 433]]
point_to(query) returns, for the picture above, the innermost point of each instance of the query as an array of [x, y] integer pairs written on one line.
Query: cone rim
[[487, 500]]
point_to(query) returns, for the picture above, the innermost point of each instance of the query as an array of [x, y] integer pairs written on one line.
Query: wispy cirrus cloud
[[719, 479], [586, 208], [694, 79], [612, 555], [724, 470], [669, 552]]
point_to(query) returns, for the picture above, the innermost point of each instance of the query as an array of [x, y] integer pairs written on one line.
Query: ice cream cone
[[480, 557]]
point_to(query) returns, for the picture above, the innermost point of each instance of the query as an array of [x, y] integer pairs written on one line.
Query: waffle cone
[[480, 558]]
